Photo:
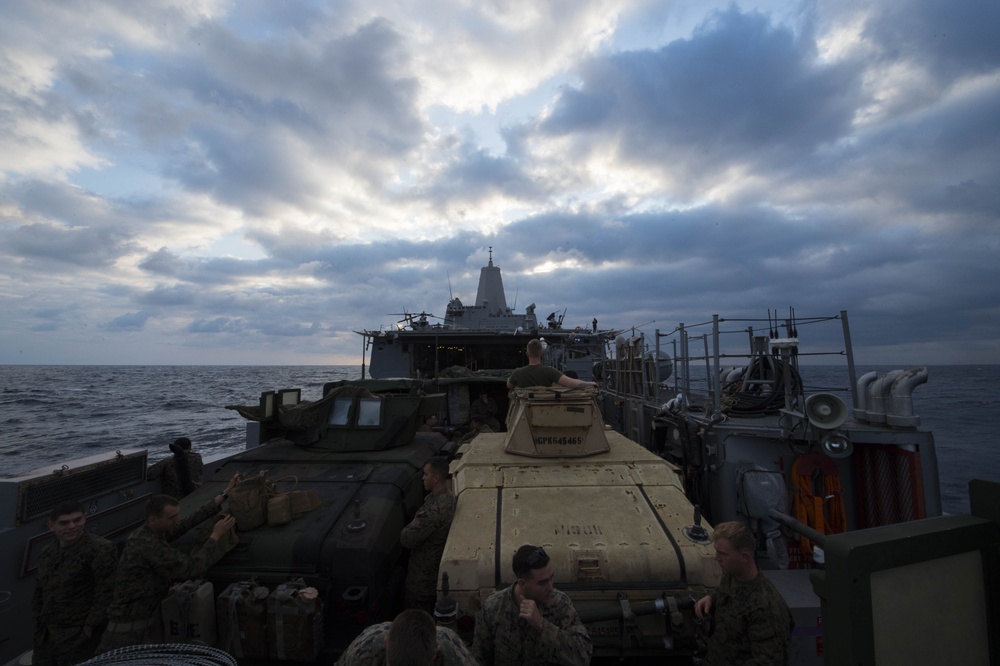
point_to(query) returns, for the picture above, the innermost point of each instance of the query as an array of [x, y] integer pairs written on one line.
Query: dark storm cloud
[[474, 173], [163, 296], [57, 201], [739, 91], [331, 259], [951, 40], [685, 265], [133, 321], [76, 246], [162, 262], [211, 271], [957, 172]]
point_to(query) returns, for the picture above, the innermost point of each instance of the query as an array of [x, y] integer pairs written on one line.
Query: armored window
[[340, 412], [369, 412]]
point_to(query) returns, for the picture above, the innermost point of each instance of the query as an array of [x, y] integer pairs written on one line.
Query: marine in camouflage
[[502, 638], [73, 588], [484, 407], [368, 649], [166, 470], [425, 537], [146, 569], [752, 624]]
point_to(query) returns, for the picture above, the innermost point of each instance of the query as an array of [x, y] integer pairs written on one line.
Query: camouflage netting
[[457, 371], [305, 415]]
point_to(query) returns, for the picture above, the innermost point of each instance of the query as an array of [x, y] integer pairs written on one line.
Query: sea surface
[[50, 414]]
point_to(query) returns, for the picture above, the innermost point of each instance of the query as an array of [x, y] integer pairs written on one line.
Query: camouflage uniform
[[534, 375], [752, 624], [73, 588], [484, 410], [368, 649], [167, 470], [472, 434], [425, 537], [503, 638], [147, 567]]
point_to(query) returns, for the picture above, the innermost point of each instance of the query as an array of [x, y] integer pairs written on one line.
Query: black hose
[[755, 403], [167, 654]]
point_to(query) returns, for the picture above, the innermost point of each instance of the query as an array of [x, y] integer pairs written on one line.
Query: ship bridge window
[[369, 412], [340, 412]]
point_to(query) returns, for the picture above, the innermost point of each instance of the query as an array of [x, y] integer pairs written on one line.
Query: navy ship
[[486, 338]]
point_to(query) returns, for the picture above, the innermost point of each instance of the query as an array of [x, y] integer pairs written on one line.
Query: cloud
[[949, 42], [739, 95], [248, 179], [132, 321], [162, 262], [217, 325], [79, 246]]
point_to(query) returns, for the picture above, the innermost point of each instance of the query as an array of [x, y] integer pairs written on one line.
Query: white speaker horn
[[825, 410]]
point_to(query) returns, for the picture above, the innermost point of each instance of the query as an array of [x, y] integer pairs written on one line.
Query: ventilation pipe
[[901, 402], [880, 389], [861, 413]]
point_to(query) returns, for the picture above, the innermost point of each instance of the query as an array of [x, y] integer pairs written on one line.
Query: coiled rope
[[166, 654]]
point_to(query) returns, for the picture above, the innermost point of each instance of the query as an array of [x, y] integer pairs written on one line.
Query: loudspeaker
[[825, 410]]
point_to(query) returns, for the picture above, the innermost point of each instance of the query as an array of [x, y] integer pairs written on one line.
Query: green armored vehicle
[[358, 455], [625, 542]]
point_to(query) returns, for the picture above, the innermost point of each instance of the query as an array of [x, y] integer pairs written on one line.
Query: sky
[[210, 182]]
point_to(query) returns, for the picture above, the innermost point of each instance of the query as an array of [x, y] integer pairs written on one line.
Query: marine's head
[[435, 474], [734, 549], [412, 639], [163, 513], [67, 521], [535, 573], [534, 348]]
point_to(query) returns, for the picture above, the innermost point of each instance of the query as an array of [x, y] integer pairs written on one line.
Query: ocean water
[[49, 414]]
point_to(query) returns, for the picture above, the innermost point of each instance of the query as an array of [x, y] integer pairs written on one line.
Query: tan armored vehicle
[[624, 540]]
